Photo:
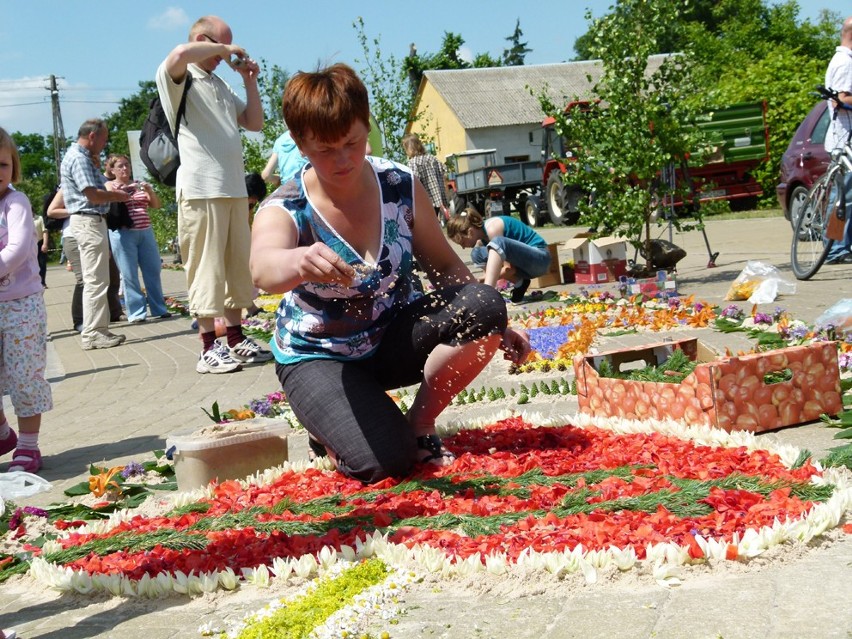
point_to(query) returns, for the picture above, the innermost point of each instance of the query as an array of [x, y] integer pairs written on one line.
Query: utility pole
[[58, 130]]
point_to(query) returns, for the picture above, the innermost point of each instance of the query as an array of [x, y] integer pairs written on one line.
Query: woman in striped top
[[135, 248]]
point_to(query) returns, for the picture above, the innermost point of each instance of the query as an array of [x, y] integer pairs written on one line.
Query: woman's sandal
[[317, 450], [433, 445]]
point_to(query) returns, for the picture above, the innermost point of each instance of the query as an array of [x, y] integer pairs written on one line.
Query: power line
[[92, 101], [31, 87], [66, 101], [66, 89], [23, 104], [19, 81], [25, 90]]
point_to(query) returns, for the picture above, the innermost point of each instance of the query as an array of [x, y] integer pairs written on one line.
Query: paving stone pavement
[[119, 404]]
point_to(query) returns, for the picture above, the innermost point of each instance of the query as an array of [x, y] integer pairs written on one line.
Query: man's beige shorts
[[215, 241]]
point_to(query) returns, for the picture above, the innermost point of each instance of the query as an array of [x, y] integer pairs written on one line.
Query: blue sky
[[100, 51]]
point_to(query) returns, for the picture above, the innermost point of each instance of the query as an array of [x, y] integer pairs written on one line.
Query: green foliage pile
[[841, 455], [673, 371]]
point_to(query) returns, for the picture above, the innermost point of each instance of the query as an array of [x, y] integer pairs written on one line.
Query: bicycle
[[823, 210]]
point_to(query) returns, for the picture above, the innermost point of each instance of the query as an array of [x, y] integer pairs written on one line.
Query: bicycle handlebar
[[831, 94]]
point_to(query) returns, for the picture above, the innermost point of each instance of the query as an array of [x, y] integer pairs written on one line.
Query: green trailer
[[741, 143]]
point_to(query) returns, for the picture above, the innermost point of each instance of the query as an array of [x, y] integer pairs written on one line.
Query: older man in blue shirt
[[87, 202]]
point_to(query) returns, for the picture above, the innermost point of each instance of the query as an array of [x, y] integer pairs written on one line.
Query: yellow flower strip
[[299, 618]]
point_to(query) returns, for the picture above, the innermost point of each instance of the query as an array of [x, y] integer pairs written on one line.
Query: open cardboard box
[[598, 260], [551, 278], [554, 273], [725, 392]]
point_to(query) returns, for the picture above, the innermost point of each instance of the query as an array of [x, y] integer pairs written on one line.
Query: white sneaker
[[217, 360], [101, 340], [249, 352]]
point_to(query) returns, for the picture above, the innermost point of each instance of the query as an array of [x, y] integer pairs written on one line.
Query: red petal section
[[488, 492]]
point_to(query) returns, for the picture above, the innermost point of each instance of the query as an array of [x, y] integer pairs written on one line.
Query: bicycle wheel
[[810, 246]]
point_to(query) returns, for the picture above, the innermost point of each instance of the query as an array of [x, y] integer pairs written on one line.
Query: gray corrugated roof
[[498, 96]]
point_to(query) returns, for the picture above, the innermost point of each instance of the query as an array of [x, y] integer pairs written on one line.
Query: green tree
[[582, 47], [645, 121], [38, 168], [515, 54], [743, 32], [756, 51], [36, 153], [271, 83], [447, 57], [749, 50], [391, 100], [485, 61], [792, 78], [706, 13], [129, 116]]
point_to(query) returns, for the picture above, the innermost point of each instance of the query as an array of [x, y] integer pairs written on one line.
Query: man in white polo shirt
[[213, 214], [838, 76]]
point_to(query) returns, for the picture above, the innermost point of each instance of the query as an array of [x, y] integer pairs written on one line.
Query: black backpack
[[52, 224], [158, 148]]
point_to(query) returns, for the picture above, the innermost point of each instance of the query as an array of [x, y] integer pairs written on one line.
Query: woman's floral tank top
[[331, 320]]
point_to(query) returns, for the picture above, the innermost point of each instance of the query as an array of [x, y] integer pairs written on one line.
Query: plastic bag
[[839, 316], [759, 283], [16, 484]]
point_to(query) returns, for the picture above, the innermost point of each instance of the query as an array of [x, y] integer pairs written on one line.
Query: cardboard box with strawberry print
[[732, 393]]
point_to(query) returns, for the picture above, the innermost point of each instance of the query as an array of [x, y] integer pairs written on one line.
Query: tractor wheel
[[531, 212], [563, 203], [555, 197], [744, 204]]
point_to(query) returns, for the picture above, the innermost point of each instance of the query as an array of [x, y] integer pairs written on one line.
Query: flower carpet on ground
[[560, 332], [526, 495], [563, 497]]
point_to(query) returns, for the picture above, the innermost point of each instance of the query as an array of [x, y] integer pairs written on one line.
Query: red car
[[804, 161]]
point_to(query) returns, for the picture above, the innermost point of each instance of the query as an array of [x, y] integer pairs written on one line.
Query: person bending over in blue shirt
[[505, 247]]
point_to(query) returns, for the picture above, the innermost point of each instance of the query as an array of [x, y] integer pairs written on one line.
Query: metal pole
[[58, 130], [671, 181]]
